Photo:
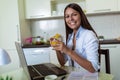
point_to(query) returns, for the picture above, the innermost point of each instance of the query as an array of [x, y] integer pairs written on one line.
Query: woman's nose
[[70, 18]]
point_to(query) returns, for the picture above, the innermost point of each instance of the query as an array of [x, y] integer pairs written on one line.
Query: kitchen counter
[[107, 41], [35, 46]]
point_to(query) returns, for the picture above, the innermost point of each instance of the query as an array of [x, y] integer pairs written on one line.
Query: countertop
[[102, 42], [35, 46], [109, 41]]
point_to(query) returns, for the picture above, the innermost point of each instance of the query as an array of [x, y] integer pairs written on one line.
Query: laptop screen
[[22, 59]]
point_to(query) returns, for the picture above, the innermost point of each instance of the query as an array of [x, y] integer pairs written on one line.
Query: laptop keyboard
[[58, 71], [34, 75], [41, 70], [44, 70]]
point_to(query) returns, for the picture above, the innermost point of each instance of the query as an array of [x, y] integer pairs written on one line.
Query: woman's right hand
[[58, 45]]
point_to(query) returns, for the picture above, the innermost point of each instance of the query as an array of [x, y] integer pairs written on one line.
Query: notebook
[[39, 71]]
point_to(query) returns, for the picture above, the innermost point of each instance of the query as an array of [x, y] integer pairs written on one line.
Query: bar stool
[[105, 52]]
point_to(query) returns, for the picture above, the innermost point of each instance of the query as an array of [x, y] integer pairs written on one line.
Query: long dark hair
[[84, 21]]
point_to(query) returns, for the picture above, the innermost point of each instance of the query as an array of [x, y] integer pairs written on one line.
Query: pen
[[63, 78]]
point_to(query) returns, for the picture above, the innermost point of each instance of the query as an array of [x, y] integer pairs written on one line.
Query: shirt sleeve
[[91, 49]]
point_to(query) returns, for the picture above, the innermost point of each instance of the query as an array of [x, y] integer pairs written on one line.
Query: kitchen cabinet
[[9, 24], [61, 4], [37, 8], [10, 30], [118, 5], [37, 55], [97, 6], [13, 25], [114, 59], [47, 8]]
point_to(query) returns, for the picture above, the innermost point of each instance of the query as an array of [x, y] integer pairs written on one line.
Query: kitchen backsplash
[[48, 28], [105, 25]]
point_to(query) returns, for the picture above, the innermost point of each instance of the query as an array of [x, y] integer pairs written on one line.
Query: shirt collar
[[78, 32]]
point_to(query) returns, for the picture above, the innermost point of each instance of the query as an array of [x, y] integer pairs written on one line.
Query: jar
[[36, 40]]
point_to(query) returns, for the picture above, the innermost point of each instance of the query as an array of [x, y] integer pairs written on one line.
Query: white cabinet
[[61, 4], [9, 32], [37, 8], [114, 52], [118, 5], [37, 55], [95, 6], [48, 8], [9, 24]]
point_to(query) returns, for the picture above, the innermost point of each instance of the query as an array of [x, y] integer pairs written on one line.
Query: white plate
[[51, 77]]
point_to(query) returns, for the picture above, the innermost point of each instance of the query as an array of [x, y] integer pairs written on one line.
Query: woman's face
[[72, 18]]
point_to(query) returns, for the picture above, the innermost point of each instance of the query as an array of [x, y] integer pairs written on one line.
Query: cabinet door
[[9, 24], [37, 8], [37, 55], [114, 59], [94, 6], [9, 32]]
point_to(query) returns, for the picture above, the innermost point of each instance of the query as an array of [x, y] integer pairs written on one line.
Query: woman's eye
[[74, 14], [67, 16]]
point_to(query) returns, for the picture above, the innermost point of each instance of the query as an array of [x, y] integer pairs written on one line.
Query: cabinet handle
[[37, 16], [102, 10]]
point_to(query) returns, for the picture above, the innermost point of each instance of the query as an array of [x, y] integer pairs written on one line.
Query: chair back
[[105, 52]]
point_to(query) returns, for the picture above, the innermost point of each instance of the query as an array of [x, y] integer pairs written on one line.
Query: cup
[[50, 77]]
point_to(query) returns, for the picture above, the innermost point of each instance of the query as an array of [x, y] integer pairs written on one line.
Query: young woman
[[81, 48]]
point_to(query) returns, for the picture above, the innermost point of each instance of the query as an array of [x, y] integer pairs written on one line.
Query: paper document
[[82, 76]]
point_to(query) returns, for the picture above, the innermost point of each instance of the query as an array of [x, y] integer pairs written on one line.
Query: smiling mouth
[[72, 23]]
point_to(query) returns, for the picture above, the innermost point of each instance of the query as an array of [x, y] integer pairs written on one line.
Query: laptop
[[38, 71]]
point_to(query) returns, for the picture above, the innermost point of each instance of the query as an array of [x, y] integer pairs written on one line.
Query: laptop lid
[[22, 59]]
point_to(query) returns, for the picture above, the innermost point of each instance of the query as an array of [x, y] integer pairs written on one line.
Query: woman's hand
[[58, 45]]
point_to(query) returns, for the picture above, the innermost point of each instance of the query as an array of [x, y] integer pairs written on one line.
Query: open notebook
[[39, 71]]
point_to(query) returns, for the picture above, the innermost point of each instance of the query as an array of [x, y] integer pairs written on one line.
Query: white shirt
[[86, 46]]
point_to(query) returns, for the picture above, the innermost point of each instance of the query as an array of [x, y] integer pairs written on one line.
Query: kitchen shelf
[[87, 14], [103, 13], [48, 17]]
